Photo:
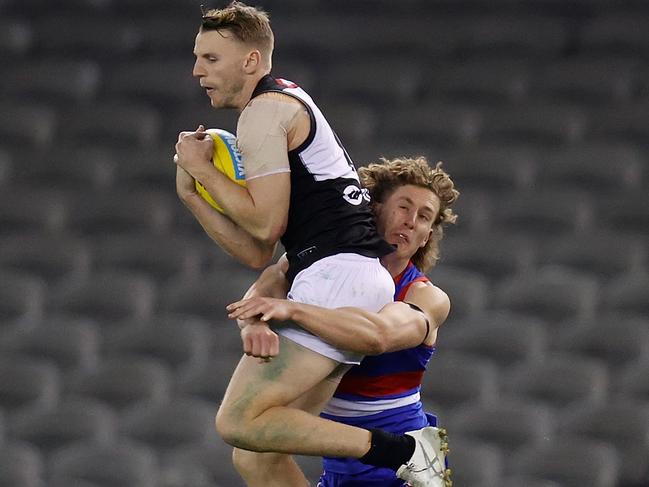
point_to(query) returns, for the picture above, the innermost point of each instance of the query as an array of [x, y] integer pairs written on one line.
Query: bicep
[[271, 196], [432, 300]]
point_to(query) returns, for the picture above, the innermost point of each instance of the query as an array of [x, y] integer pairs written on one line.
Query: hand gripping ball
[[227, 159]]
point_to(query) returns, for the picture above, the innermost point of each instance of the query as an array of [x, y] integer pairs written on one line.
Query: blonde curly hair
[[382, 178]]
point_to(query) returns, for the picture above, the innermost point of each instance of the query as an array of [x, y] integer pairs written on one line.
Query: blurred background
[[114, 344]]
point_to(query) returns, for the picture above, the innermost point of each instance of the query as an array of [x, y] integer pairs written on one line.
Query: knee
[[230, 428]]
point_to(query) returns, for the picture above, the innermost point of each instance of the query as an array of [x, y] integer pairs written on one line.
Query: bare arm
[[268, 127], [272, 281], [232, 238], [397, 326]]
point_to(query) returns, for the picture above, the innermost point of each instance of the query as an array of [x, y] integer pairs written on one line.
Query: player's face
[[407, 217], [220, 59]]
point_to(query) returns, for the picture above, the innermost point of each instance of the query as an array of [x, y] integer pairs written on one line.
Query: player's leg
[[255, 413], [280, 469]]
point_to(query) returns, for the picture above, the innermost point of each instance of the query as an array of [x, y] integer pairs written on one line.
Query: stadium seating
[[176, 341], [125, 464], [112, 297], [506, 426], [71, 344], [502, 338], [28, 383], [67, 423], [622, 423], [122, 384], [21, 465], [571, 461], [557, 381], [474, 463], [164, 426]]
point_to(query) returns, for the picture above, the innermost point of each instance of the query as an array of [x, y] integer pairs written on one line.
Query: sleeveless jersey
[[329, 211], [383, 390]]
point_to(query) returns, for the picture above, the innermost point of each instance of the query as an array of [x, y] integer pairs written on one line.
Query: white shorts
[[337, 281]]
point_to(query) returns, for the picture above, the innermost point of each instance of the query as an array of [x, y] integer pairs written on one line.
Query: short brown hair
[[384, 177], [248, 24]]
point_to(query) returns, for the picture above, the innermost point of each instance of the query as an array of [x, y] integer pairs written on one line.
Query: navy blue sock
[[388, 450]]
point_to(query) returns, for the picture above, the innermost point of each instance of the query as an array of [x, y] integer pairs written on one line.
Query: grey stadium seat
[[554, 295], [28, 383], [67, 169], [29, 124], [474, 463], [165, 426], [627, 295], [587, 81], [125, 464], [628, 216], [21, 297], [119, 213], [501, 338], [69, 422], [72, 345], [468, 291], [605, 168], [55, 260], [615, 36], [507, 426], [159, 258], [534, 123], [457, 379], [140, 81], [206, 296], [123, 383], [615, 339], [479, 81], [557, 381], [114, 124], [81, 36], [21, 465], [105, 297], [571, 461], [16, 37], [600, 255], [543, 213], [492, 169], [633, 381], [177, 341], [23, 213], [56, 83], [622, 423], [203, 382], [507, 257]]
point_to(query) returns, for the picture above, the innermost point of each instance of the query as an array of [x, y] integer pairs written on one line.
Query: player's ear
[[252, 61], [430, 234]]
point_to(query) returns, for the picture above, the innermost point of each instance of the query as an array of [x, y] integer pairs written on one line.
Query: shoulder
[[268, 110], [431, 299]]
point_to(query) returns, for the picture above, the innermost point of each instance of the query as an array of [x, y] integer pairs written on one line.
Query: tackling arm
[[396, 327]]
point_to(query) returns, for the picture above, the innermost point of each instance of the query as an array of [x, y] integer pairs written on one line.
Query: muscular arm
[[272, 282], [232, 238], [269, 126], [396, 327]]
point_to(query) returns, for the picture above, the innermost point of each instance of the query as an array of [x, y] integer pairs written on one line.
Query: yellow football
[[227, 159]]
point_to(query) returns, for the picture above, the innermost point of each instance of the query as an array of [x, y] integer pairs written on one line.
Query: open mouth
[[403, 237]]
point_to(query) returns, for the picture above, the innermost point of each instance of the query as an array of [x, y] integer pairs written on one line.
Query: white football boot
[[427, 466]]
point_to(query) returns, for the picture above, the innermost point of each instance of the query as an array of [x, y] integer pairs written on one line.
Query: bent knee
[[229, 428]]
